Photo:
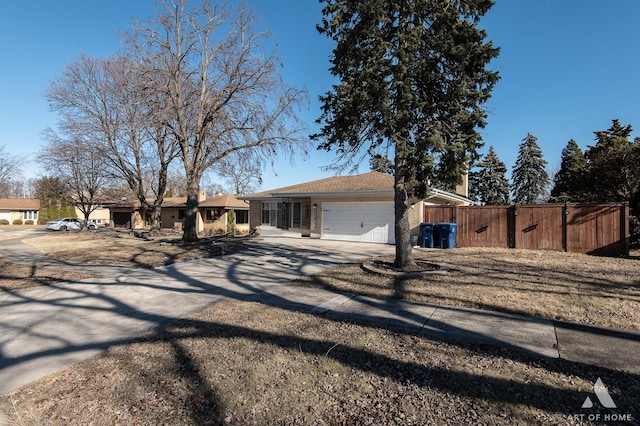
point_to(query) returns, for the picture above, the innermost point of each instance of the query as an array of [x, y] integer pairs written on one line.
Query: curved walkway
[[44, 329]]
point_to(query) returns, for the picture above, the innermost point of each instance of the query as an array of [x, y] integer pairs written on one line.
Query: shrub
[[4, 222], [17, 222], [231, 222], [28, 222]]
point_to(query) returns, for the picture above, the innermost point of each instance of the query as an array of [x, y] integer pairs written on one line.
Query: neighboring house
[[100, 215], [28, 209], [19, 209], [127, 214], [350, 208], [213, 213]]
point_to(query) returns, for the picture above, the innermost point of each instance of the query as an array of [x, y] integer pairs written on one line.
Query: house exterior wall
[[255, 212], [310, 213], [221, 223], [138, 219], [100, 215], [313, 227], [169, 218], [11, 215]]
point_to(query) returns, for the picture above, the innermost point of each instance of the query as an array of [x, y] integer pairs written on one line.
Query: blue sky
[[568, 68]]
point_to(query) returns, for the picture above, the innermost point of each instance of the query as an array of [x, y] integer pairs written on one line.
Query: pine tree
[[570, 181], [414, 76], [488, 184], [380, 163], [614, 165], [529, 177]]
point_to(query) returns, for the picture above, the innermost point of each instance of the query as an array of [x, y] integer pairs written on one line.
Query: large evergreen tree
[[413, 75], [529, 178], [614, 165], [488, 185], [569, 184]]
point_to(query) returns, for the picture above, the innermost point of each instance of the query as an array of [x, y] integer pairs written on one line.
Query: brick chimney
[[463, 188]]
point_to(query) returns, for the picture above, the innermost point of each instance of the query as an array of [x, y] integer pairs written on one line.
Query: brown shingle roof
[[227, 201], [372, 181], [19, 204]]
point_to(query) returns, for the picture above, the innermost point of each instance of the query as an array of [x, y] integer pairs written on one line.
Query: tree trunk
[[404, 254], [193, 190], [154, 213], [86, 219]]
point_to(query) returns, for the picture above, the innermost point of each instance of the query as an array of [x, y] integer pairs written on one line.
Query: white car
[[68, 224]]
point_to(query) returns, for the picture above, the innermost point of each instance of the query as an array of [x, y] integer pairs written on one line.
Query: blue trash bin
[[447, 235], [427, 235]]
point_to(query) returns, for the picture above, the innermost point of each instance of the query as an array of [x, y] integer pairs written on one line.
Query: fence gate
[[485, 226], [539, 227]]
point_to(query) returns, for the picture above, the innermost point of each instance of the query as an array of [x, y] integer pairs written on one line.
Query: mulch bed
[[387, 267]]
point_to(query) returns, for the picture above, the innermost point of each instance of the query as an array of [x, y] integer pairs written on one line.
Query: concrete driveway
[[44, 329]]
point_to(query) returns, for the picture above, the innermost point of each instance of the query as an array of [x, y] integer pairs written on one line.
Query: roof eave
[[449, 195], [323, 194]]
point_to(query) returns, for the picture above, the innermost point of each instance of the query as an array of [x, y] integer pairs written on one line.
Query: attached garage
[[347, 208], [358, 221], [121, 219]]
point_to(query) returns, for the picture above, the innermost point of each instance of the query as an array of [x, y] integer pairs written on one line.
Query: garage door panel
[[358, 221]]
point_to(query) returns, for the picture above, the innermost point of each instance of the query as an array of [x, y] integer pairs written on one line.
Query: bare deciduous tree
[[109, 102], [10, 174], [221, 89], [75, 162], [242, 173]]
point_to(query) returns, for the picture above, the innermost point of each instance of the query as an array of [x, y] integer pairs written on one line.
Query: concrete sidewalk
[[44, 329]]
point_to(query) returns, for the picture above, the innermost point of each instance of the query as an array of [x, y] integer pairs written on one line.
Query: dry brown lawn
[[246, 363], [123, 248], [599, 291]]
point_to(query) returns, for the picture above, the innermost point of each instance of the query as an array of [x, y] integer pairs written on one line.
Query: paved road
[[47, 328]]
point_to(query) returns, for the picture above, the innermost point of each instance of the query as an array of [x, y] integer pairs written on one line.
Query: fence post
[[512, 226], [565, 227]]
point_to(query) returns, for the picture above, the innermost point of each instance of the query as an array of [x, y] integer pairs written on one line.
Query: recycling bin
[[427, 235], [447, 235]]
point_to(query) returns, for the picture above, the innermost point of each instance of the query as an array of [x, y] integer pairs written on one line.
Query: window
[[213, 214], [242, 217], [265, 213], [182, 213], [30, 215], [296, 215]]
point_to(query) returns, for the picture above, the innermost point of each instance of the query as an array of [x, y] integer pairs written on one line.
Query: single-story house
[[25, 209], [213, 213], [100, 215], [349, 208], [19, 209]]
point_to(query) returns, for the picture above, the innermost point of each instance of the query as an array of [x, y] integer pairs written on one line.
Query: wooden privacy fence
[[579, 228]]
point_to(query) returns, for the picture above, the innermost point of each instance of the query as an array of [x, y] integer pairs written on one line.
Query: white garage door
[[365, 221]]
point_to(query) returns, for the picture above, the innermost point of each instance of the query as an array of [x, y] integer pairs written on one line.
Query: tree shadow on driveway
[[107, 312]]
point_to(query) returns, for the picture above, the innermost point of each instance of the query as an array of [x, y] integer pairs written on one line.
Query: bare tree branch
[[222, 94]]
